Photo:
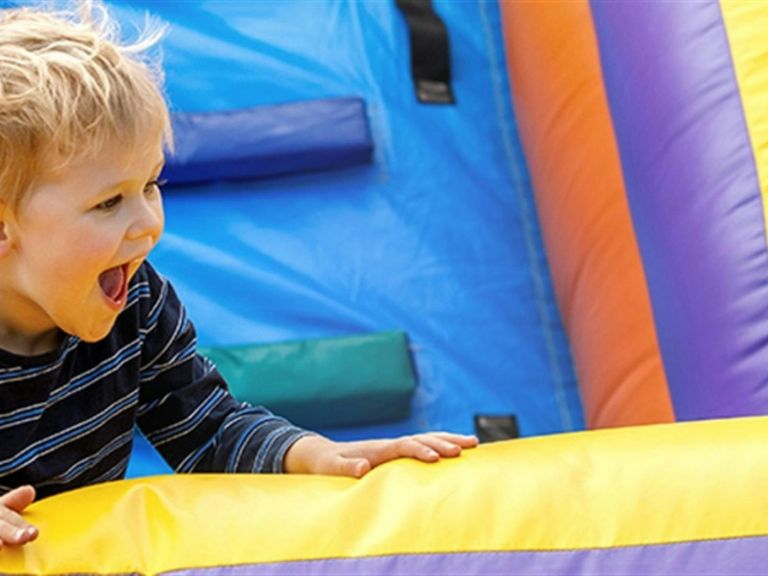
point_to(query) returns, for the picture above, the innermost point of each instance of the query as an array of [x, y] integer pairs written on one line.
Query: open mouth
[[114, 285]]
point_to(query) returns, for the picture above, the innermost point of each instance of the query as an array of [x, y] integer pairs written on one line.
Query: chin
[[90, 338], [94, 334]]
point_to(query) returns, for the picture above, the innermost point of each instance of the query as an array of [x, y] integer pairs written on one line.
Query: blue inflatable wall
[[437, 237]]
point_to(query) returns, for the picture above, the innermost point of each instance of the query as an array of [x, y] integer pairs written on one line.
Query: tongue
[[112, 281]]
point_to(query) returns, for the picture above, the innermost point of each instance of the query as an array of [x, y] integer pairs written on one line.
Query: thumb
[[19, 498], [354, 467]]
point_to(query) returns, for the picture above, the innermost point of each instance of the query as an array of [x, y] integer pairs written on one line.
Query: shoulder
[[152, 294], [150, 286], [147, 276], [158, 304]]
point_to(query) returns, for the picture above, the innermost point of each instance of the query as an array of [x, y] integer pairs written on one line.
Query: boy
[[92, 339]]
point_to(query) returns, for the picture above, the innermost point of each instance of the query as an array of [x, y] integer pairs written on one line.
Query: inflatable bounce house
[[543, 221]]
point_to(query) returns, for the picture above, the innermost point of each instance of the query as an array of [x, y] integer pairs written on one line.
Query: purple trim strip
[[695, 198], [743, 556]]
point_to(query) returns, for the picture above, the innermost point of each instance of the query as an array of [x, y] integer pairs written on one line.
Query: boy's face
[[77, 239]]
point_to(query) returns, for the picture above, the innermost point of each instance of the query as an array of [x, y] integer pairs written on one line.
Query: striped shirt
[[67, 416]]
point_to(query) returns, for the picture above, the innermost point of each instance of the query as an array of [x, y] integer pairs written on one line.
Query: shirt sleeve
[[185, 409]]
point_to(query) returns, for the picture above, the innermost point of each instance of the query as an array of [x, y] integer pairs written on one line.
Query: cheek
[[77, 257], [161, 218]]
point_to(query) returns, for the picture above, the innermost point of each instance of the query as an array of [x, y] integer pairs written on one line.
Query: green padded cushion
[[323, 382]]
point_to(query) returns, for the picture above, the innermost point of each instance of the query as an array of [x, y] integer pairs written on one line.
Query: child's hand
[[14, 531], [318, 455]]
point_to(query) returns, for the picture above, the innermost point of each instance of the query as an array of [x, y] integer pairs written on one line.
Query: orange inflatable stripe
[[569, 143]]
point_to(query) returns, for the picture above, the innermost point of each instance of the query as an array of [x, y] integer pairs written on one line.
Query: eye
[[110, 203], [154, 186]]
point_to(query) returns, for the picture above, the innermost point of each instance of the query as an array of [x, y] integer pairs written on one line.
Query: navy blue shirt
[[67, 416]]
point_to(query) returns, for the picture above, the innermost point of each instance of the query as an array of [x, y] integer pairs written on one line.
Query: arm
[[187, 413], [185, 409]]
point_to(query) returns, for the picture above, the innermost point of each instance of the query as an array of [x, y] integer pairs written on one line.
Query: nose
[[146, 220]]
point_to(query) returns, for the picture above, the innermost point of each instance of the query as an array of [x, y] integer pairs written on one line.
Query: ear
[[5, 234]]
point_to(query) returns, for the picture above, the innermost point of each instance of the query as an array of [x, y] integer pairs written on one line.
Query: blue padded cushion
[[268, 141]]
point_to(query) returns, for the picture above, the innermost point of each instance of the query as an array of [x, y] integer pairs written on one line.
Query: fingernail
[[25, 533]]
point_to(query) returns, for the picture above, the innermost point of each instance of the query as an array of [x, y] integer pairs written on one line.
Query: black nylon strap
[[491, 428], [430, 52]]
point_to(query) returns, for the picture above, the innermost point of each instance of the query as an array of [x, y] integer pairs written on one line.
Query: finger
[[353, 467], [14, 529], [412, 447], [459, 439], [442, 447], [10, 534], [19, 498], [8, 516], [377, 452]]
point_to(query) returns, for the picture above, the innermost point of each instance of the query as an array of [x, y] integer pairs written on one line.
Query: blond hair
[[68, 87]]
